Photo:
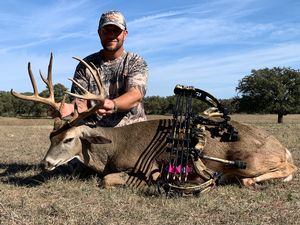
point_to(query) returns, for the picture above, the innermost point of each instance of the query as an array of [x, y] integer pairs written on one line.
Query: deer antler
[[50, 101], [88, 95]]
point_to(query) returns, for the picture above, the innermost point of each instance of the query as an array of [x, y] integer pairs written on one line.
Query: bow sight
[[187, 127]]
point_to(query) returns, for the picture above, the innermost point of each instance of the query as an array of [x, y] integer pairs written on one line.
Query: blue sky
[[209, 44]]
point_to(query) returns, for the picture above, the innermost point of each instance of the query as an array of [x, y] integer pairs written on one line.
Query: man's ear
[[125, 33], [97, 140]]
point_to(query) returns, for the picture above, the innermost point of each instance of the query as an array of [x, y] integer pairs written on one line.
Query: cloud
[[219, 75]]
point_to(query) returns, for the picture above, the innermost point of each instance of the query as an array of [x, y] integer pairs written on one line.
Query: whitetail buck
[[135, 153]]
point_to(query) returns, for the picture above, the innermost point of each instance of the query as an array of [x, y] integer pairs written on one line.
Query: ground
[[28, 197]]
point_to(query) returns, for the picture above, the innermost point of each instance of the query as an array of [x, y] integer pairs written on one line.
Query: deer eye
[[68, 140]]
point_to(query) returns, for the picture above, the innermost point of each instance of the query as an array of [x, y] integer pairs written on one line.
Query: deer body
[[138, 149]]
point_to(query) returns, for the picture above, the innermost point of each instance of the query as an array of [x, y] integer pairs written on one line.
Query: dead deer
[[132, 154]]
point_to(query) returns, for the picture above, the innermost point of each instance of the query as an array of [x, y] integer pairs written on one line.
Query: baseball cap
[[112, 17]]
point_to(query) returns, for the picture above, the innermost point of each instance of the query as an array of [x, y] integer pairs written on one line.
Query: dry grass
[[28, 196]]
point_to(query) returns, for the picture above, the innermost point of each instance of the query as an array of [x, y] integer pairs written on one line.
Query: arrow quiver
[[185, 156]]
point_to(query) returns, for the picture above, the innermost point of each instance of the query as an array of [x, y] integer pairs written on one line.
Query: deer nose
[[45, 165]]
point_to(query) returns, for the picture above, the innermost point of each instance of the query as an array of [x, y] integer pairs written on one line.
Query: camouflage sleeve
[[137, 74]]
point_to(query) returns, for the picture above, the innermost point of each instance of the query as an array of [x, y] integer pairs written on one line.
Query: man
[[124, 76]]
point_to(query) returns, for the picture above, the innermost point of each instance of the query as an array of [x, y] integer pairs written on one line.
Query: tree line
[[275, 90]]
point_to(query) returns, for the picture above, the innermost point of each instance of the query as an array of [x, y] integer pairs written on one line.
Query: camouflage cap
[[114, 18]]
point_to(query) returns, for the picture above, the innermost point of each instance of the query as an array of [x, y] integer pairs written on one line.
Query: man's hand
[[123, 103], [109, 107]]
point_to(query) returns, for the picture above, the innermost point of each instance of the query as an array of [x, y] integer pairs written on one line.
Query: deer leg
[[285, 172], [114, 179], [121, 179]]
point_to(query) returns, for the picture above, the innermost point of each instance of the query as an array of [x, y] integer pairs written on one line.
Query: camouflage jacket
[[119, 75]]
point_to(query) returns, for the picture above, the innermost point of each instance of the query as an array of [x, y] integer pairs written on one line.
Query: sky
[[208, 44]]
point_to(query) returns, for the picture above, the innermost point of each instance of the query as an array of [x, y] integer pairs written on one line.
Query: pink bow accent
[[177, 169]]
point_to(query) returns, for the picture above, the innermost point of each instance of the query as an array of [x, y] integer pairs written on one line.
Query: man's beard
[[113, 48]]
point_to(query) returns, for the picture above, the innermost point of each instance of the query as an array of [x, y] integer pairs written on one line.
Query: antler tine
[[78, 85], [97, 79], [87, 95], [95, 76], [48, 81], [33, 83], [50, 101]]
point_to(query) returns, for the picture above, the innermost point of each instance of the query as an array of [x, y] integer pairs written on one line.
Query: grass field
[[28, 196]]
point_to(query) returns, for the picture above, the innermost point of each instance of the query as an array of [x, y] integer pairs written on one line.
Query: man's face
[[112, 37]]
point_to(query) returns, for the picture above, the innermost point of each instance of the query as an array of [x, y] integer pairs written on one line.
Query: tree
[[165, 105], [59, 92], [275, 90], [11, 106]]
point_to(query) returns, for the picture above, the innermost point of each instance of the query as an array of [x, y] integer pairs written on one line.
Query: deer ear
[[98, 140]]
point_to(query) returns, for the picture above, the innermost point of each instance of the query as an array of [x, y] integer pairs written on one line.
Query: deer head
[[65, 137]]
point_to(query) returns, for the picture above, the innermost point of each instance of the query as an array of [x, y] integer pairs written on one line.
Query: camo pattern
[[112, 17], [118, 76]]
